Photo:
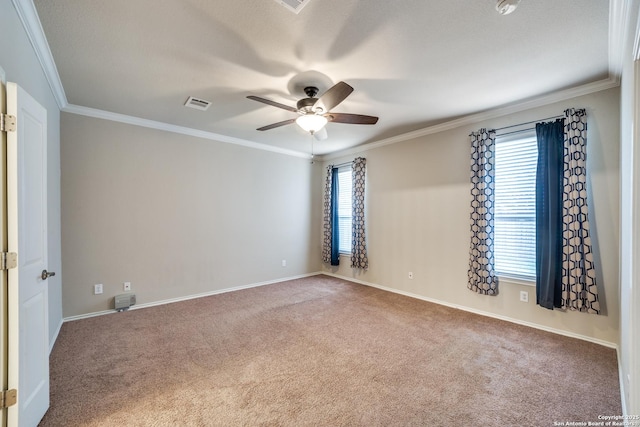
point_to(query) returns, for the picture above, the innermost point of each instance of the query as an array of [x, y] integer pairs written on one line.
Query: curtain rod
[[528, 123], [342, 164], [524, 123]]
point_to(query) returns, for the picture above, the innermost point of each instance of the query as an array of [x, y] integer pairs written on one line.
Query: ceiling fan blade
[[332, 97], [277, 125], [354, 119], [273, 103]]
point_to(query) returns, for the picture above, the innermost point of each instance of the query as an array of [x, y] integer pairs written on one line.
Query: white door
[[27, 236]]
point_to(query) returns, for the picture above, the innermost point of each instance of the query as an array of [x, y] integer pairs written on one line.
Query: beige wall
[[418, 219], [178, 215]]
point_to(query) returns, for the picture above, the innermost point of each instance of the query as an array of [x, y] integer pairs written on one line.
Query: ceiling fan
[[314, 112]]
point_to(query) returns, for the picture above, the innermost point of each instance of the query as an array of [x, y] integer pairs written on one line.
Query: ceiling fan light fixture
[[505, 7], [311, 122]]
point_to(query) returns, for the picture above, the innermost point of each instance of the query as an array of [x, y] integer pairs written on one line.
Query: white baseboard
[[480, 312], [623, 401], [53, 339], [188, 297], [87, 315]]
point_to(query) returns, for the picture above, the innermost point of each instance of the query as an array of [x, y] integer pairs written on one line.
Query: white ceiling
[[413, 63]]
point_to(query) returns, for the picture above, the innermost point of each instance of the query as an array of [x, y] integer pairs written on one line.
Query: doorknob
[[46, 274]]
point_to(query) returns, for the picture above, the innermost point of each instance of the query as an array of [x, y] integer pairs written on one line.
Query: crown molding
[[618, 24], [152, 124], [618, 12], [535, 102], [636, 40], [31, 23]]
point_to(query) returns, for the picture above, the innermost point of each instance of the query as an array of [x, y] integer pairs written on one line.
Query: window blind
[[515, 207], [345, 186]]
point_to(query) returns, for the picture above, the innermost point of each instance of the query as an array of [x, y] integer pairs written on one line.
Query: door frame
[[4, 307]]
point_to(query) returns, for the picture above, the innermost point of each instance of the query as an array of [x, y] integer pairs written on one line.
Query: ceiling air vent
[[198, 104], [294, 6]]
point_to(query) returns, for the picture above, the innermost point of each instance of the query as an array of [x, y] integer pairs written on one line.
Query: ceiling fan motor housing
[[306, 104]]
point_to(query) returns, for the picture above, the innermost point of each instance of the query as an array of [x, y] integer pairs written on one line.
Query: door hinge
[[8, 398], [7, 123], [8, 260]]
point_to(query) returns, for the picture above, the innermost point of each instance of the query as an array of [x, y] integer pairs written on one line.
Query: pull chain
[[312, 138]]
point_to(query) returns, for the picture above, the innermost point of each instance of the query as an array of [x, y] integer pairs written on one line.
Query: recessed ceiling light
[[505, 7]]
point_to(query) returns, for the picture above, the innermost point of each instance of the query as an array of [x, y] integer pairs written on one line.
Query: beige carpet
[[324, 352]]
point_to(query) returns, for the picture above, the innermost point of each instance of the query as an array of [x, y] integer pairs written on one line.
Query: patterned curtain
[[327, 229], [579, 291], [359, 257], [481, 274]]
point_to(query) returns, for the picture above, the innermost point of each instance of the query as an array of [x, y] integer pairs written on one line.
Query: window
[[344, 208], [515, 206]]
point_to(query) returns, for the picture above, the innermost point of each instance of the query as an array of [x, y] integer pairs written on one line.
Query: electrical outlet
[[97, 289], [284, 262], [524, 296], [411, 275], [126, 286]]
